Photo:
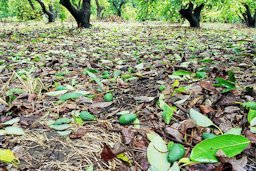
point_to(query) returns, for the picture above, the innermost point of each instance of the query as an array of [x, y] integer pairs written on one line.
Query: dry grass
[[43, 150]]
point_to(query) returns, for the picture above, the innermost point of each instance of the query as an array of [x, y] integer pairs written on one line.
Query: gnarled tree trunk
[[192, 15], [249, 19], [81, 14], [99, 9], [50, 13]]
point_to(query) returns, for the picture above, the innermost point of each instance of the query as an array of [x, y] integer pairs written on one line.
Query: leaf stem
[[218, 128]]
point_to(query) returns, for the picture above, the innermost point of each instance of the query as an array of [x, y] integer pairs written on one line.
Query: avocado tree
[[81, 12], [118, 5], [248, 17], [99, 9], [50, 13], [192, 14]]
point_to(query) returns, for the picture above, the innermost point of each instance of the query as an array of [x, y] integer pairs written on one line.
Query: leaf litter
[[160, 72]]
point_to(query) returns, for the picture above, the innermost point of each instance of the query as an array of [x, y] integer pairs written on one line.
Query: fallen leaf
[[173, 130], [144, 98], [107, 153], [207, 86], [206, 109], [78, 133], [100, 105], [187, 124], [251, 136], [193, 102], [237, 165], [13, 130], [157, 152], [128, 135]]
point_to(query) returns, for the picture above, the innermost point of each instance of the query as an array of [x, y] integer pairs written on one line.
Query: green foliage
[[4, 9], [166, 10], [23, 10], [231, 145]]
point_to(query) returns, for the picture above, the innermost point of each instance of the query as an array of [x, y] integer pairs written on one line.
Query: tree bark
[[99, 10], [192, 15], [82, 14], [249, 19], [51, 15]]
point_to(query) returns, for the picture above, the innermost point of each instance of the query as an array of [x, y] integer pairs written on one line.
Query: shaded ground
[[51, 55]]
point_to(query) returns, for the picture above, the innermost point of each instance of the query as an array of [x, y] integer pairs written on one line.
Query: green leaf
[[14, 91], [180, 89], [225, 83], [251, 115], [124, 158], [201, 74], [136, 123], [71, 95], [253, 129], [78, 121], [64, 133], [56, 93], [249, 105], [234, 131], [181, 73], [89, 168], [231, 145], [231, 76], [92, 70], [157, 153], [12, 121], [7, 156], [253, 122], [60, 87], [13, 130], [200, 119], [117, 73], [82, 92], [62, 121], [139, 66], [175, 167], [167, 111], [95, 78], [60, 127]]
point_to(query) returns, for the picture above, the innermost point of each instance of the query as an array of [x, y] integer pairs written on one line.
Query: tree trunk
[[248, 18], [49, 13], [192, 15], [99, 10], [81, 15], [119, 12]]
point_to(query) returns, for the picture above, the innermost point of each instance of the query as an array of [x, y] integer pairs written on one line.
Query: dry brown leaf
[[193, 102], [187, 124], [128, 135], [100, 105], [237, 165], [173, 130], [144, 98], [206, 109], [207, 86]]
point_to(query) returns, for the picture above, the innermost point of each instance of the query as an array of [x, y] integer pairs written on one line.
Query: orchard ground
[[37, 57]]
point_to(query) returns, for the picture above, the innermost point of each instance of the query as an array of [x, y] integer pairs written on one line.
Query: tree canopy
[[229, 11]]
